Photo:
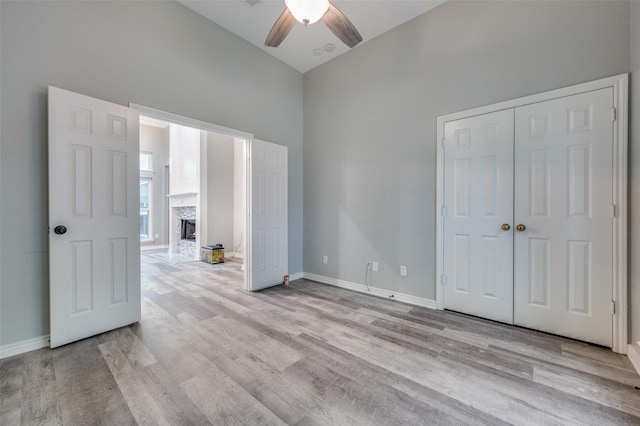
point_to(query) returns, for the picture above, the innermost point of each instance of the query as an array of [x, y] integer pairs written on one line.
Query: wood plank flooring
[[207, 352]]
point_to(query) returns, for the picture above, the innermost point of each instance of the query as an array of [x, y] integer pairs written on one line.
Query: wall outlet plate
[[403, 270], [374, 267], [325, 259]]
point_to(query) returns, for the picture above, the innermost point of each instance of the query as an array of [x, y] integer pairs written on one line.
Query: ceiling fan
[[308, 12]]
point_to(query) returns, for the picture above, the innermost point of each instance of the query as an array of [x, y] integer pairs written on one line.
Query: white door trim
[[620, 84], [190, 122], [203, 125]]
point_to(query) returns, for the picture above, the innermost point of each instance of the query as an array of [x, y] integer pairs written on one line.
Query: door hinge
[[443, 279], [613, 307], [444, 211], [614, 114], [613, 210]]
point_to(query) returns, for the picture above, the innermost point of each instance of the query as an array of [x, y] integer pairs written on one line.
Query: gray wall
[[634, 176], [220, 188], [156, 140], [370, 120], [158, 54]]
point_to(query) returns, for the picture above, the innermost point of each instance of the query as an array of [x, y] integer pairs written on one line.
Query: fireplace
[[188, 229]]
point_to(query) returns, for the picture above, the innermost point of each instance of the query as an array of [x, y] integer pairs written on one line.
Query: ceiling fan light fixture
[[307, 11]]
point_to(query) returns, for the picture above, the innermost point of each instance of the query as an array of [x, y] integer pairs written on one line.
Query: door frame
[[620, 85], [239, 134]]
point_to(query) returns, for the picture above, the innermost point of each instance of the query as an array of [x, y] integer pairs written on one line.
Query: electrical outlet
[[325, 259], [403, 270], [374, 267]]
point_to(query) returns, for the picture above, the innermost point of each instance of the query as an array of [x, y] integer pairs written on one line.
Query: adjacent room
[[389, 212], [192, 192]]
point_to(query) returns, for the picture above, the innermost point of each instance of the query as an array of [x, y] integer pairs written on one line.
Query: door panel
[[478, 254], [269, 207], [564, 180], [93, 192]]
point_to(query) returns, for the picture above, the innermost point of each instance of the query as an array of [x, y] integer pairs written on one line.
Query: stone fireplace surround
[[185, 246], [183, 206]]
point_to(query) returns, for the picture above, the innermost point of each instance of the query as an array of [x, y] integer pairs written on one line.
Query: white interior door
[[564, 181], [93, 216], [478, 252], [268, 236]]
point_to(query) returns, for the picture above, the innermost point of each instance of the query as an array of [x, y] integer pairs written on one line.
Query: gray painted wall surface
[[220, 188], [634, 176], [370, 120], [158, 54]]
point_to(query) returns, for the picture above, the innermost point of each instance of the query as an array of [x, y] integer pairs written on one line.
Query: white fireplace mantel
[[183, 199]]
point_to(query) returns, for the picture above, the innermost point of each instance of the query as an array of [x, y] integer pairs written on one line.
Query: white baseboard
[[151, 246], [633, 352], [29, 345], [387, 294], [297, 276]]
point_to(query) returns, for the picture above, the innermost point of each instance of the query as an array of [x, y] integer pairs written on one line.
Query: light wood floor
[[207, 352]]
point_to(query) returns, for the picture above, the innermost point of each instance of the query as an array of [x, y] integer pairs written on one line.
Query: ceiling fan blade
[[280, 29], [341, 26]]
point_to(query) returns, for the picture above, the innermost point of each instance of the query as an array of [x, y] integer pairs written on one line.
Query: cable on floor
[[366, 276]]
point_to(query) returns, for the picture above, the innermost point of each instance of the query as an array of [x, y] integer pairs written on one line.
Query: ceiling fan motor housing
[[307, 11]]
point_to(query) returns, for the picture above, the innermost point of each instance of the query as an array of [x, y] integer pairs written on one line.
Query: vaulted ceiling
[[308, 47]]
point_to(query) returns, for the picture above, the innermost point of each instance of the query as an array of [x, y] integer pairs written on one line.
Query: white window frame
[[149, 210]]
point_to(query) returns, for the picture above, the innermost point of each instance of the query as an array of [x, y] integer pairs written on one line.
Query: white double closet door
[[528, 228]]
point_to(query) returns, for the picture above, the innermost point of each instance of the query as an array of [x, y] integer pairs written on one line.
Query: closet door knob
[[505, 227], [60, 230], [521, 227]]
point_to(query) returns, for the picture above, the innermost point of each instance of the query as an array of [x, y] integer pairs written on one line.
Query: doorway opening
[[96, 271], [193, 189], [261, 227]]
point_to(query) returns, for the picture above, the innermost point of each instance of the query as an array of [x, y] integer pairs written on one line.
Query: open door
[[267, 242], [93, 216]]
